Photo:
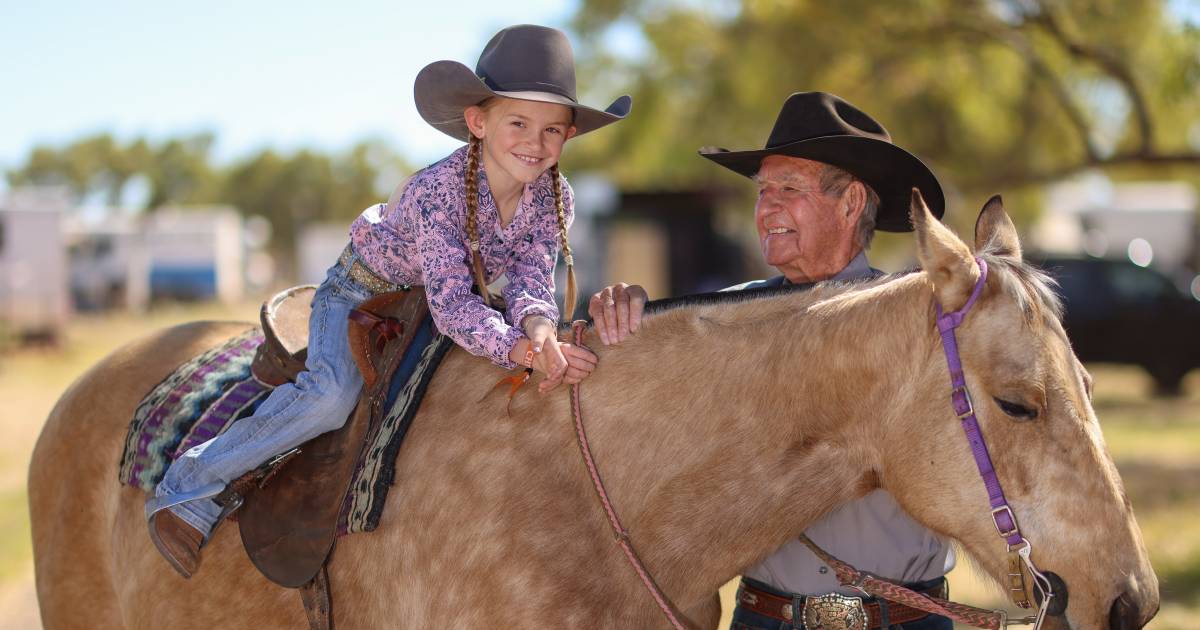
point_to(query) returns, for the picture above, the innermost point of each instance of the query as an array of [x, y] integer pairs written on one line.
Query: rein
[[1005, 521], [620, 535]]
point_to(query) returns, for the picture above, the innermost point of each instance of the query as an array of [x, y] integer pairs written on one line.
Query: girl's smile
[[521, 139]]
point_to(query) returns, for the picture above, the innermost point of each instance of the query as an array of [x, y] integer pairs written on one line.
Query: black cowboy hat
[[528, 62], [824, 128]]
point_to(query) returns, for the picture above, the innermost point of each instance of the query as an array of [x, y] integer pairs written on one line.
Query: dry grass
[[31, 380], [1156, 444]]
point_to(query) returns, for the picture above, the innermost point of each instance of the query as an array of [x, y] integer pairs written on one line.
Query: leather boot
[[177, 541]]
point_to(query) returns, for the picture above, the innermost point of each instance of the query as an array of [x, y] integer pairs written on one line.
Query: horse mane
[[817, 292], [1034, 290]]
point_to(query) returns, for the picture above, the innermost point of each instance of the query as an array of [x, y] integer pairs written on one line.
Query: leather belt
[[363, 275], [831, 611]]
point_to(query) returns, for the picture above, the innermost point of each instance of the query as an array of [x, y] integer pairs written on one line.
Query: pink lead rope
[[619, 534]]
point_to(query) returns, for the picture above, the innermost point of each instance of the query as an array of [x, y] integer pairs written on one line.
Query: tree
[[996, 95], [290, 191], [177, 170], [307, 187]]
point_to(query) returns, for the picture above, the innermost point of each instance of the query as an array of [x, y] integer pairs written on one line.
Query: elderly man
[[827, 179]]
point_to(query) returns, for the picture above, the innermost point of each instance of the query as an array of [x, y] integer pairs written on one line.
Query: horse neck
[[763, 416]]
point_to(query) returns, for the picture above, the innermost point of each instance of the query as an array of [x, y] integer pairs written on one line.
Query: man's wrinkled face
[[805, 233]]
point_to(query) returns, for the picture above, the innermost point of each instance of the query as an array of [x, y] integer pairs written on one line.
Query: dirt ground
[[1155, 442]]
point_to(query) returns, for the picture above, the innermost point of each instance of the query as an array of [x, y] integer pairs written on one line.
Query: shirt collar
[[857, 269]]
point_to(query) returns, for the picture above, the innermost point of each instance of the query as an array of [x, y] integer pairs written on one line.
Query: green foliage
[[996, 95], [309, 187], [178, 170]]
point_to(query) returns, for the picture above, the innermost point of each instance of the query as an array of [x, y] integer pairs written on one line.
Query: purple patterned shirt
[[424, 241]]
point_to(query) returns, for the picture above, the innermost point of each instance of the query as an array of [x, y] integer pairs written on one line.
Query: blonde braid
[[471, 175], [569, 298]]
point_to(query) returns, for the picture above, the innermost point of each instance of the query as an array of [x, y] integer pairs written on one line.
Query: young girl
[[497, 206]]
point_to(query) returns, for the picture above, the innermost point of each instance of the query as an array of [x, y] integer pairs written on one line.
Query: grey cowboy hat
[[528, 62], [825, 128]]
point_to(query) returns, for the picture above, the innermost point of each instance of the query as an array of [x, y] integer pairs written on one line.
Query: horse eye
[[1018, 411]]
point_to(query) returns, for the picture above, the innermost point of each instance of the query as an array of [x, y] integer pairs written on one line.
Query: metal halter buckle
[[967, 397], [834, 612], [1011, 517]]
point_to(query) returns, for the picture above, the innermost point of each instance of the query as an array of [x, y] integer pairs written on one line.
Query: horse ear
[[994, 230], [944, 257]]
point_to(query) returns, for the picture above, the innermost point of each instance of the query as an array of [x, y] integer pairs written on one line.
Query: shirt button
[[823, 570]]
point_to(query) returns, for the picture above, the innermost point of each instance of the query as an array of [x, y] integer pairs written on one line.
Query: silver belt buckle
[[834, 612]]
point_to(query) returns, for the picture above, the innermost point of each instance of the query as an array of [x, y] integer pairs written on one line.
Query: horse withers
[[723, 428]]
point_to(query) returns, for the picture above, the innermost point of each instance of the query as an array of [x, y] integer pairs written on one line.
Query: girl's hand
[[547, 355], [560, 362]]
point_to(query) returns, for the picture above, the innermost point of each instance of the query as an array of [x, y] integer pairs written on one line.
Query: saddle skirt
[[193, 404], [205, 395]]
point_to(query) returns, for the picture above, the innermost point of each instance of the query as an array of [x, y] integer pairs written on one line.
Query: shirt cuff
[[507, 342], [535, 309]]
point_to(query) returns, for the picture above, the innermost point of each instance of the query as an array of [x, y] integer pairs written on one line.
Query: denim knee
[[332, 404]]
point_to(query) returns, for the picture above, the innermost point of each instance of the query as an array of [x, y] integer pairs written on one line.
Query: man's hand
[[617, 311], [580, 363]]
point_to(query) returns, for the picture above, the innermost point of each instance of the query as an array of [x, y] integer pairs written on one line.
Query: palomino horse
[[723, 429]]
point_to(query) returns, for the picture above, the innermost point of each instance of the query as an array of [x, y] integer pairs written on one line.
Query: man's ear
[[854, 199], [943, 256], [476, 118]]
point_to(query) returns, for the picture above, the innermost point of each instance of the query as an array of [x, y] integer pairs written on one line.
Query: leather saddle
[[290, 506]]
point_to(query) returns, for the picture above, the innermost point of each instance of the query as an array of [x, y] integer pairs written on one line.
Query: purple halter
[[1002, 515]]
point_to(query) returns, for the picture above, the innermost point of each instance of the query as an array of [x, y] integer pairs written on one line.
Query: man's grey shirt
[[873, 534]]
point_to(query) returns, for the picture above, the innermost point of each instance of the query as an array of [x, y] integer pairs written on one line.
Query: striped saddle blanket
[[211, 391]]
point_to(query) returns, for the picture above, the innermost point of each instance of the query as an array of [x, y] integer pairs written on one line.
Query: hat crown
[[529, 58], [807, 115]]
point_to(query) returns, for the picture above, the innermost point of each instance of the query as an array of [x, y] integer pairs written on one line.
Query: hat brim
[[891, 171], [444, 89]]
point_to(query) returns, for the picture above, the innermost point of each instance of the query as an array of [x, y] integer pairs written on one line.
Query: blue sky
[[257, 73], [279, 74]]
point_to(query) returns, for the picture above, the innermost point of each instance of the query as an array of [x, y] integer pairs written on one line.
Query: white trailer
[[195, 253], [34, 299], [1150, 223]]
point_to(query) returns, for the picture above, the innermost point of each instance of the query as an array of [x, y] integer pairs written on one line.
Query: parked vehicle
[[1119, 312]]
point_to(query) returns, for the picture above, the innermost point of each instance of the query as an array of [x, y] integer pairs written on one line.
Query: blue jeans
[[748, 620], [319, 401]]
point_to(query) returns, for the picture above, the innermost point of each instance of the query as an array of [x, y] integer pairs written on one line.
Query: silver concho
[[834, 612]]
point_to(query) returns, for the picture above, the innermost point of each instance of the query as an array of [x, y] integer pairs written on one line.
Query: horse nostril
[[1124, 614]]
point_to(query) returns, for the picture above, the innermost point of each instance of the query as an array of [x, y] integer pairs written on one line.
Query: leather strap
[[884, 589], [318, 604], [620, 535], [784, 608]]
